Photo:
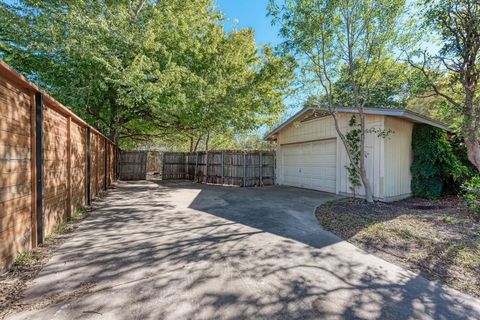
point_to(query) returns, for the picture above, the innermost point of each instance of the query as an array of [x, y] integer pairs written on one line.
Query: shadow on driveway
[[177, 250]]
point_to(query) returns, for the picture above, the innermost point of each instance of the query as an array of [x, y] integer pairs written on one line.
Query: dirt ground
[[28, 264], [438, 239]]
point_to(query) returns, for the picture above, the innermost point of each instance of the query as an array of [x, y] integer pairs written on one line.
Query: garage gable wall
[[398, 158], [324, 129]]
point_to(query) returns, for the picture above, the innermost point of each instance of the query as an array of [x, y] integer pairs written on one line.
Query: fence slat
[[39, 167], [221, 167], [45, 163], [133, 165]]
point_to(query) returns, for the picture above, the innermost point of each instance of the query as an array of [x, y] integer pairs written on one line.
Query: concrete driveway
[[182, 251]]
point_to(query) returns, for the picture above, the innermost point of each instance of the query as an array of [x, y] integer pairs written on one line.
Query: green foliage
[[470, 192], [23, 259], [79, 214], [345, 47], [397, 84], [452, 73], [141, 70], [434, 162], [447, 219], [353, 145], [459, 149]]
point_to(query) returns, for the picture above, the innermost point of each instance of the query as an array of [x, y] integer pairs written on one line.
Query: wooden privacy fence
[[51, 163], [140, 165], [133, 165], [239, 168]]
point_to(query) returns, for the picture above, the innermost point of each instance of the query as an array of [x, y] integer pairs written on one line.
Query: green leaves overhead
[[335, 39], [142, 69]]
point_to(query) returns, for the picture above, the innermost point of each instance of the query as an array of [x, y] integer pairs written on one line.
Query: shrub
[[434, 162], [470, 192]]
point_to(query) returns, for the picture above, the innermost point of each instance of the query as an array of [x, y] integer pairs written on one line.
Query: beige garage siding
[[398, 158], [322, 129]]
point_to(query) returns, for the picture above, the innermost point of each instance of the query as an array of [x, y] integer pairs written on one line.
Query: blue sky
[[251, 14]]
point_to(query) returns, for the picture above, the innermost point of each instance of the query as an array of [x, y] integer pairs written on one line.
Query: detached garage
[[311, 155]]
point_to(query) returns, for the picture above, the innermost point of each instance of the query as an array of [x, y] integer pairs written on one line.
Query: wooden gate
[[133, 165], [154, 165]]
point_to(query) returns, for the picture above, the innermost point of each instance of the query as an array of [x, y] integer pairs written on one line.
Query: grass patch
[[24, 258], [79, 214], [443, 242], [67, 226], [447, 219]]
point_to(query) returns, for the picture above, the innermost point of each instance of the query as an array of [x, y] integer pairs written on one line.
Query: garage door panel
[[326, 160], [310, 165], [324, 148]]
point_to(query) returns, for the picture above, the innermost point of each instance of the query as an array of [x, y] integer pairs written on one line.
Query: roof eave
[[405, 114], [270, 136]]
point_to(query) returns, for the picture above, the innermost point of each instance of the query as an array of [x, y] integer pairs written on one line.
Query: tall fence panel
[[47, 164], [133, 165], [174, 165], [16, 154], [78, 160], [56, 172], [239, 168]]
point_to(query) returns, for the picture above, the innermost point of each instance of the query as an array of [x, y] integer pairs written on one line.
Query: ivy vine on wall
[[434, 162]]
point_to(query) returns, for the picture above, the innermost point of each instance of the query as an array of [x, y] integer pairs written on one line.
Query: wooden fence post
[[223, 167], [69, 167], [109, 155], [146, 164], [185, 165], [164, 176], [206, 166], [244, 169], [97, 166], [117, 162], [33, 171], [40, 172], [274, 167], [89, 169], [260, 171], [196, 168], [105, 169]]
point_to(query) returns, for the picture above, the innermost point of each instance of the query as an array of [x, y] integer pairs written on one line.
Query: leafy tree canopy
[[452, 73], [141, 69], [402, 87]]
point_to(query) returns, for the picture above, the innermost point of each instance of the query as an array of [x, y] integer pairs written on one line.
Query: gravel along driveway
[[178, 250]]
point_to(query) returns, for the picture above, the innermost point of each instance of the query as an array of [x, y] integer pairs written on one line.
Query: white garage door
[[310, 165]]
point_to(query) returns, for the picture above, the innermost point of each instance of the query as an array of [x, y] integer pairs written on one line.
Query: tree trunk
[[366, 183], [470, 126], [206, 141], [362, 172], [196, 145], [473, 147], [114, 137], [191, 144]]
